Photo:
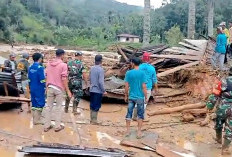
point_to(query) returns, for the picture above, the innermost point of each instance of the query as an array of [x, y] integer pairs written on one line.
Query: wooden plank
[[189, 46], [165, 73], [135, 144], [181, 50], [167, 150], [197, 43], [182, 57], [122, 53], [10, 98]]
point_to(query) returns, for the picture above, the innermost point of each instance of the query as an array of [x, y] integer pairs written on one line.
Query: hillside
[[62, 23], [94, 24]]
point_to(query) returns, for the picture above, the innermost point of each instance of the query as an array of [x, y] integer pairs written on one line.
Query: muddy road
[[16, 130]]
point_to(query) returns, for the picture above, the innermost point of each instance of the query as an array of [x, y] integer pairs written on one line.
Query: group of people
[[60, 81], [223, 46]]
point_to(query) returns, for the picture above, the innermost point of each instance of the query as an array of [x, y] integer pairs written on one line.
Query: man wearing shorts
[[135, 86]]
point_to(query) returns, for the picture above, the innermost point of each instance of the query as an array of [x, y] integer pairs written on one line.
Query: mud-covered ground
[[16, 130]]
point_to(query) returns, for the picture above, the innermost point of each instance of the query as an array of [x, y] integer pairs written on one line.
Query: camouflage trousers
[[76, 89], [224, 117]]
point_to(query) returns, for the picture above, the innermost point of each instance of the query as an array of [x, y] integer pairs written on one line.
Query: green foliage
[[174, 36], [87, 24]]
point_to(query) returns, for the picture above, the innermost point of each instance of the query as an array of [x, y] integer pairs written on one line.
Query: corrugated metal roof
[[128, 36]]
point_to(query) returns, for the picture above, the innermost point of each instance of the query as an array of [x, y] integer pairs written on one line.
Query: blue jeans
[[140, 108]]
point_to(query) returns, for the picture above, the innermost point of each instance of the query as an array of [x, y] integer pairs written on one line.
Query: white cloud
[[154, 3]]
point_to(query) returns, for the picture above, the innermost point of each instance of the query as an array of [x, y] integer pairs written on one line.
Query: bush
[[174, 36]]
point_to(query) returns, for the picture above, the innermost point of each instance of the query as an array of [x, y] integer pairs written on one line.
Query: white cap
[[222, 24]]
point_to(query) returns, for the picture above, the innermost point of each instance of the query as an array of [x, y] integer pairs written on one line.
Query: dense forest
[[95, 23]]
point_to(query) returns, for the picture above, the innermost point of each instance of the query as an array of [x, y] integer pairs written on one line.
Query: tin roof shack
[[128, 38]]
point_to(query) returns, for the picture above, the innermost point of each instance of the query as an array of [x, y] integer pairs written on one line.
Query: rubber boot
[[135, 115], [225, 147], [36, 117], [67, 101], [94, 120], [218, 138], [75, 104], [91, 116]]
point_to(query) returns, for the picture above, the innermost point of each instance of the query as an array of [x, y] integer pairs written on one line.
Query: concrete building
[[128, 38]]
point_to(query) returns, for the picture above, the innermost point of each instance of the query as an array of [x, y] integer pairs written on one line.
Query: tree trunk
[[191, 19], [147, 22], [210, 17]]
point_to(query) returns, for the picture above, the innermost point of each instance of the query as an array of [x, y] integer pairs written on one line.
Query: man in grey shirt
[[96, 88]]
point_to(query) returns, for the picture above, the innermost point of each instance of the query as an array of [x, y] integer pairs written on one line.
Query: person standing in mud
[[10, 65], [96, 89], [77, 72], [151, 81], [135, 86], [23, 67], [37, 86], [57, 86], [223, 95]]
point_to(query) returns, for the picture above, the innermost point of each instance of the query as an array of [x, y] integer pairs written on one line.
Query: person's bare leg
[[140, 124], [128, 127]]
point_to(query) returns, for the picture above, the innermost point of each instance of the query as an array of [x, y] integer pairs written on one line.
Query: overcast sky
[[155, 3]]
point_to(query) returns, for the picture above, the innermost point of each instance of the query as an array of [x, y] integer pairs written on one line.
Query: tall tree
[[191, 19], [147, 22], [210, 16]]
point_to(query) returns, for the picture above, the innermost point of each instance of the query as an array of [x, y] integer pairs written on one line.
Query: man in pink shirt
[[57, 85]]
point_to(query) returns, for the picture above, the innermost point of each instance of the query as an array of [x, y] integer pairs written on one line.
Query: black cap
[[78, 53], [59, 52], [98, 58]]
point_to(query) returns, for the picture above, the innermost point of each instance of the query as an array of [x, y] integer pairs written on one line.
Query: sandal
[[49, 128], [59, 129]]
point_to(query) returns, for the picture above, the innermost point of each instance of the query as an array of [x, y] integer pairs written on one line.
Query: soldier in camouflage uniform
[[223, 111], [77, 72]]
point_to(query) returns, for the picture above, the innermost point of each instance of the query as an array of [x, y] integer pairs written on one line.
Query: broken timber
[[182, 57], [176, 109], [167, 72]]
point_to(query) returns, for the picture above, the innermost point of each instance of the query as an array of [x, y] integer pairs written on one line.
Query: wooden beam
[[122, 53], [165, 73], [176, 109], [182, 57], [189, 46]]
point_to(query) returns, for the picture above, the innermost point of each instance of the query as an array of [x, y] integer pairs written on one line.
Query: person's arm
[[155, 81], [126, 91], [64, 77], [101, 81], [41, 75], [7, 67], [85, 75], [145, 91]]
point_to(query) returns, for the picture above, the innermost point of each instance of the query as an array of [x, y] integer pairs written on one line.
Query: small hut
[[128, 38]]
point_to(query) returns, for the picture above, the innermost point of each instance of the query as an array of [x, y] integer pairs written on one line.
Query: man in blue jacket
[[37, 86], [220, 50]]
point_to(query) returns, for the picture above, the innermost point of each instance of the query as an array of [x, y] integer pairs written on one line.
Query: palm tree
[[147, 22], [210, 16], [191, 19]]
